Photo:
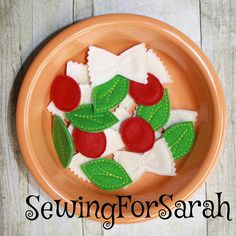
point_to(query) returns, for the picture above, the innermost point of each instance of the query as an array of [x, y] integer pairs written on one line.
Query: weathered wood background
[[26, 25]]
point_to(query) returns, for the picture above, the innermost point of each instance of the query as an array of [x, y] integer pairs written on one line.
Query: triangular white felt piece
[[177, 116], [70, 128], [55, 111], [127, 102], [132, 64], [158, 134], [86, 94], [114, 142], [159, 159], [103, 65], [77, 160], [156, 67], [122, 115], [131, 162], [79, 72]]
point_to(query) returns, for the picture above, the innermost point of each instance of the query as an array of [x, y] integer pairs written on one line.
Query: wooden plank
[[173, 226], [50, 17], [24, 26], [16, 44], [218, 23], [184, 15], [82, 10]]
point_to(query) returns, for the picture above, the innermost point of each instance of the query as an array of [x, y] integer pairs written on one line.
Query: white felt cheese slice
[[103, 65], [79, 72], [122, 114], [156, 67], [114, 142], [177, 116], [159, 159], [70, 128], [86, 94], [127, 103], [131, 162], [158, 134], [77, 160], [55, 111]]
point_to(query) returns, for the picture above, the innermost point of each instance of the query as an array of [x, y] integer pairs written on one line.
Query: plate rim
[[71, 31]]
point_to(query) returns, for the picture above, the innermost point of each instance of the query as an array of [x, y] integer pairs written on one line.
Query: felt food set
[[112, 118]]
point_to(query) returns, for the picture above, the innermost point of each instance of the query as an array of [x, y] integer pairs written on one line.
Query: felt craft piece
[[137, 134], [127, 103], [70, 128], [78, 72], [158, 134], [62, 141], [55, 111], [84, 118], [89, 144], [65, 93], [131, 162], [156, 115], [180, 138], [106, 174], [77, 160], [159, 159], [103, 65], [114, 142], [121, 114], [156, 67], [177, 116], [110, 94], [86, 94], [147, 94]]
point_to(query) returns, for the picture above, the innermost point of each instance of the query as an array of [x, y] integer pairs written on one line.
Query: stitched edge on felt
[[132, 146], [160, 123], [173, 148], [125, 85], [67, 134], [99, 128], [111, 187]]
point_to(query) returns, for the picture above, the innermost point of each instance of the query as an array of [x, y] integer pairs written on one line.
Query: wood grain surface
[[26, 25]]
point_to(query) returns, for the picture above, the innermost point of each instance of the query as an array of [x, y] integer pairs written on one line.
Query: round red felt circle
[[89, 144], [147, 94], [65, 93], [137, 134]]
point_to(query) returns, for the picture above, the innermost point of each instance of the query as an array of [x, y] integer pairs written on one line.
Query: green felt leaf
[[106, 174], [110, 94], [62, 141], [86, 119], [158, 114], [180, 138]]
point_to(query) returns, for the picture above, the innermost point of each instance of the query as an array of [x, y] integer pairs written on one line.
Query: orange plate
[[195, 86]]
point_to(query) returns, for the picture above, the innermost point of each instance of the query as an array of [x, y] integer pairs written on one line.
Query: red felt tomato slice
[[137, 134], [89, 144], [147, 94], [65, 93]]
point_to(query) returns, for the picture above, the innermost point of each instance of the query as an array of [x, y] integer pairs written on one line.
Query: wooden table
[[26, 25]]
